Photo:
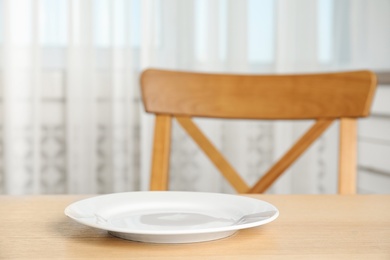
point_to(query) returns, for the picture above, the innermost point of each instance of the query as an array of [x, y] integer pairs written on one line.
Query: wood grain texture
[[310, 96], [348, 156], [309, 227]]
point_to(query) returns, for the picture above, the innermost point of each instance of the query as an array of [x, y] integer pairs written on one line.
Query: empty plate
[[171, 216]]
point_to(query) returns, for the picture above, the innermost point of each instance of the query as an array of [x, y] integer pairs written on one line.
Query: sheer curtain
[[72, 118], [70, 100]]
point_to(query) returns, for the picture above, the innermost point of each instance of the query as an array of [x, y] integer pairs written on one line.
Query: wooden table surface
[[309, 227]]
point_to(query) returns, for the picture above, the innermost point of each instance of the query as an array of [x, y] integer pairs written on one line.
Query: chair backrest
[[323, 97]]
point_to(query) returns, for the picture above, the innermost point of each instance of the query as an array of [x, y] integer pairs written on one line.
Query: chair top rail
[[305, 96]]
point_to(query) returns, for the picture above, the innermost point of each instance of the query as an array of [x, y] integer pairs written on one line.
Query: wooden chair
[[323, 97]]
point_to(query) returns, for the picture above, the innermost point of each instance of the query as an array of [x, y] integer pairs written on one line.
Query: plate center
[[170, 221]]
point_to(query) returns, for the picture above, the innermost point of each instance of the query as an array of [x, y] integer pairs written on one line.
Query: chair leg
[[348, 156], [161, 151]]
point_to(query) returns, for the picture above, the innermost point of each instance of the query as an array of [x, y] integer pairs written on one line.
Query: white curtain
[[72, 118]]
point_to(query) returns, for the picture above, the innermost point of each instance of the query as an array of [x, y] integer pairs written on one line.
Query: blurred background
[[71, 116]]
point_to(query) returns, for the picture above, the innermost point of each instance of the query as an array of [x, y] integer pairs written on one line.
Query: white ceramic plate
[[171, 217]]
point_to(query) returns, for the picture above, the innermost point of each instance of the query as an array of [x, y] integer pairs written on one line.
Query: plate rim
[[234, 227]]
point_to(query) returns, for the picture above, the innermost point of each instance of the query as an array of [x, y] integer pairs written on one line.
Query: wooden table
[[309, 227]]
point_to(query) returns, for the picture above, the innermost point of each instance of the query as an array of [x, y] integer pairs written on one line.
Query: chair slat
[[215, 156], [299, 147]]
